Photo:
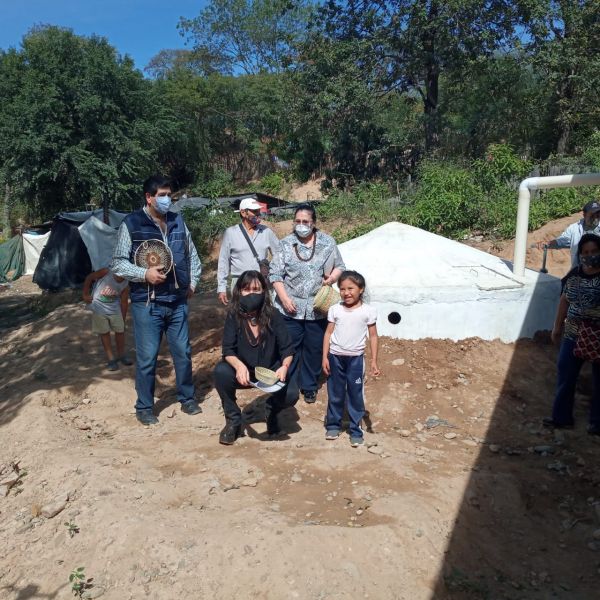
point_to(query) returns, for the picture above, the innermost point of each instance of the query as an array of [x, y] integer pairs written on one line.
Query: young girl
[[343, 356]]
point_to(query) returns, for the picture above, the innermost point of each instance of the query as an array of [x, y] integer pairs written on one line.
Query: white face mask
[[302, 230]]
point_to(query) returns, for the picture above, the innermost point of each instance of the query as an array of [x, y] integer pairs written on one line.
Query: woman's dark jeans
[[568, 370], [305, 370], [226, 385]]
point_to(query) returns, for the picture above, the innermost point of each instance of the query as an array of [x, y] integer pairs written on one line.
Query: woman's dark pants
[[303, 374], [568, 370], [226, 385]]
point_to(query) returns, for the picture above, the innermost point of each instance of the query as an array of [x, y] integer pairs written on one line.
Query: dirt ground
[[458, 493]]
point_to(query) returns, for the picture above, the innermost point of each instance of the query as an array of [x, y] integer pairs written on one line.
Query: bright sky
[[139, 28]]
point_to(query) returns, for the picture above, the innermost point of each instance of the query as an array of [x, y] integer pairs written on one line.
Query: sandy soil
[[310, 190], [459, 492]]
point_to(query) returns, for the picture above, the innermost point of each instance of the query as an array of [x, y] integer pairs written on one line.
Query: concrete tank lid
[[398, 255]]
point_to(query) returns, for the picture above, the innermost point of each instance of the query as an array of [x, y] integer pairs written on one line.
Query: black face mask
[[251, 303], [590, 261]]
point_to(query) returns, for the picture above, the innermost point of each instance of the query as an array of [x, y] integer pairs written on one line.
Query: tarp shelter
[[79, 243], [12, 259], [33, 244]]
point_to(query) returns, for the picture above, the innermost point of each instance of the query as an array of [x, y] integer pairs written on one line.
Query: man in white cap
[[569, 238], [241, 252]]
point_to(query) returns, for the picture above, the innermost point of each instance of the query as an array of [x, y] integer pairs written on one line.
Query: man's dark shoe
[[594, 429], [550, 422], [146, 417], [126, 360], [112, 365], [230, 433], [190, 407], [310, 397]]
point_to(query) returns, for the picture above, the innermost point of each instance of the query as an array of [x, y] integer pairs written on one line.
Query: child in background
[[350, 321], [108, 303]]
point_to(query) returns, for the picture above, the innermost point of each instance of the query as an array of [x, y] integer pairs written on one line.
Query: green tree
[[232, 124], [409, 44], [249, 36], [78, 123], [494, 100], [564, 46]]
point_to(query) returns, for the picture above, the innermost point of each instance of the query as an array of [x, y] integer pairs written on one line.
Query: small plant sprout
[[78, 582], [72, 528]]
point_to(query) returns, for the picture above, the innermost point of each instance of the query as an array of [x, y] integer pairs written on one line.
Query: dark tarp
[[12, 259], [64, 261]]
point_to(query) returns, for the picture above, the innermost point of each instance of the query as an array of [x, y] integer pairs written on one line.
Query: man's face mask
[[254, 219], [252, 302], [162, 204]]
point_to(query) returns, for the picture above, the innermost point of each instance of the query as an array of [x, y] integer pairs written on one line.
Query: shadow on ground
[[513, 538], [58, 352]]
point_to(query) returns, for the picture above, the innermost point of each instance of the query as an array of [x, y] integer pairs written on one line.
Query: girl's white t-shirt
[[349, 336]]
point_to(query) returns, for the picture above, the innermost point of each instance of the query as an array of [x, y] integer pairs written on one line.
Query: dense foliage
[[422, 110]]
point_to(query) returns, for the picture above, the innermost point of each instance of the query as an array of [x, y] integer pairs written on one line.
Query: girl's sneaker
[[355, 442], [332, 434]]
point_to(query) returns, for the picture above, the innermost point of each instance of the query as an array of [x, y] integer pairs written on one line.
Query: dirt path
[[460, 494]]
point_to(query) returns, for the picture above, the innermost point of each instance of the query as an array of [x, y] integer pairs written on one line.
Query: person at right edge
[[307, 260], [578, 316], [569, 238]]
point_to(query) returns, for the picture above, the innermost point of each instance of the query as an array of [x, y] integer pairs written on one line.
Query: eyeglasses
[[299, 222]]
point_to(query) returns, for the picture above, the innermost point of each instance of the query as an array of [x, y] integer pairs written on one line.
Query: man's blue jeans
[[568, 368], [150, 321]]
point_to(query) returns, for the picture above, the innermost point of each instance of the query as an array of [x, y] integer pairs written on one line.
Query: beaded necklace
[[314, 246]]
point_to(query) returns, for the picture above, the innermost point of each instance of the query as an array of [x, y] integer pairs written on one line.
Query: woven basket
[[326, 297], [266, 375]]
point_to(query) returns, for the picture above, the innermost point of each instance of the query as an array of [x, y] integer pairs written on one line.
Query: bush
[[591, 155], [369, 203], [501, 167], [220, 183], [272, 183], [447, 200], [207, 224]]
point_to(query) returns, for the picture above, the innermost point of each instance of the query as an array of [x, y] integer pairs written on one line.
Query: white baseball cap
[[249, 204]]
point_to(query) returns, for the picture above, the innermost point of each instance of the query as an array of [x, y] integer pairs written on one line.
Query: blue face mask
[[162, 204]]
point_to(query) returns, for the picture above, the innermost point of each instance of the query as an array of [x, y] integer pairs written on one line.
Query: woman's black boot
[[230, 433], [273, 423]]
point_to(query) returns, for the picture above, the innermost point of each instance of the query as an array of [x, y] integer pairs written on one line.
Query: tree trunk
[[432, 78], [432, 137], [563, 121], [6, 213]]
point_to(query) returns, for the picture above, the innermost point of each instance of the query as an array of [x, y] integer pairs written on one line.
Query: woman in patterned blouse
[[580, 301], [308, 260]]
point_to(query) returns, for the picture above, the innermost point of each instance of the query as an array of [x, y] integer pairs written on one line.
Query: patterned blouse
[[583, 294], [302, 271]]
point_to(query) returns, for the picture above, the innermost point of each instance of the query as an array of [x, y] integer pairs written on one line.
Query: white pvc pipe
[[540, 183]]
